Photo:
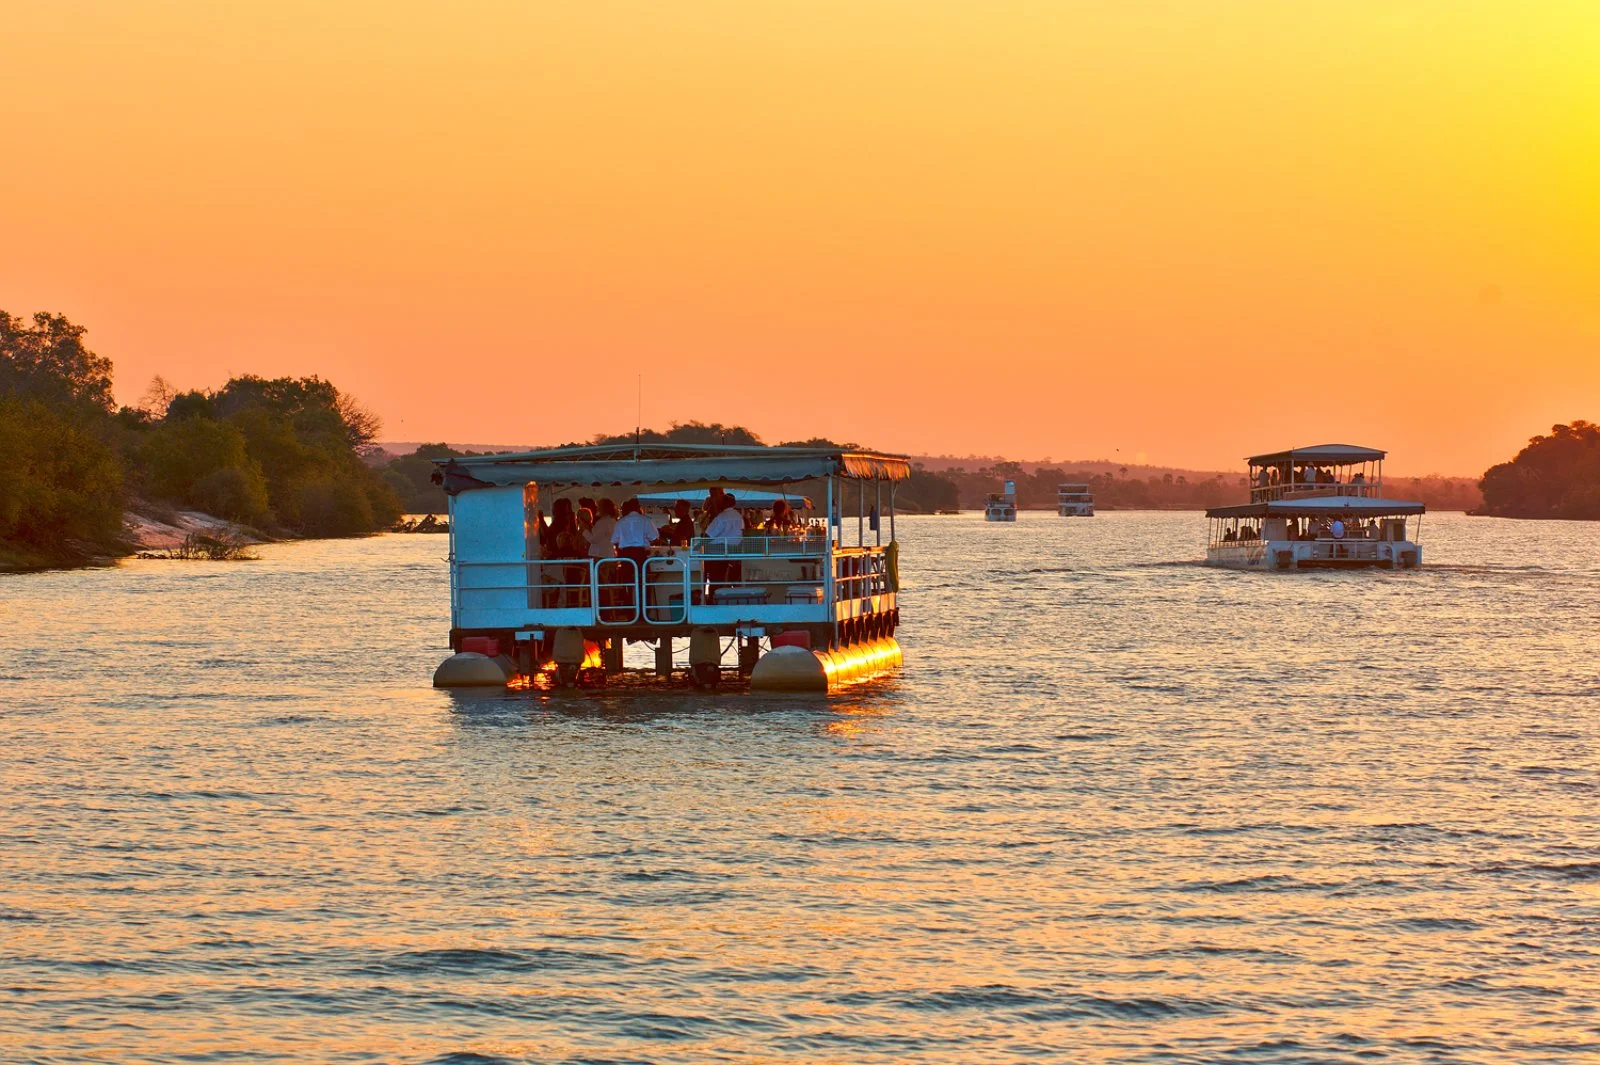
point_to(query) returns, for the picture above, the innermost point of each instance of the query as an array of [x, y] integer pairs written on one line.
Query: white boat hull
[[1316, 554]]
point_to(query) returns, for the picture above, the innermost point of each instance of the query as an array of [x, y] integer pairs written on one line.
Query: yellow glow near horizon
[[1077, 229]]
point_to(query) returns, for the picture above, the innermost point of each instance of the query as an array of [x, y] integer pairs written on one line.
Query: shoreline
[[144, 530]]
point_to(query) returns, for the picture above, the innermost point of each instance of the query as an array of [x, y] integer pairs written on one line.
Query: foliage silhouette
[[1555, 476], [285, 453]]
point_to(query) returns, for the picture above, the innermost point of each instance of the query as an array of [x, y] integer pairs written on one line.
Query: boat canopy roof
[[1320, 507], [703, 465], [1330, 454], [747, 497]]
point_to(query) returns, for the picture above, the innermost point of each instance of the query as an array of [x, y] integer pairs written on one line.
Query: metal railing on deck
[[560, 583], [666, 590], [801, 543], [859, 573], [751, 572], [1345, 549], [1315, 490]]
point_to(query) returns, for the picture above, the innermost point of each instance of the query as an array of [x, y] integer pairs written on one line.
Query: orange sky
[[1187, 230]]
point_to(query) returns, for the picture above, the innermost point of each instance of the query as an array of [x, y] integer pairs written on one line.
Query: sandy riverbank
[[150, 532]]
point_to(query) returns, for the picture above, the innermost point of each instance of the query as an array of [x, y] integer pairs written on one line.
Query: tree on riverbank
[[285, 454], [1555, 476], [300, 448], [61, 484], [411, 477]]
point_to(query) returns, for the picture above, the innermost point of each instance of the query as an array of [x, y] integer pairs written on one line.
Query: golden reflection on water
[[851, 718], [1122, 813]]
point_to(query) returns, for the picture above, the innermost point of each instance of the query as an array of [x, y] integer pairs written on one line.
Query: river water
[[1117, 807]]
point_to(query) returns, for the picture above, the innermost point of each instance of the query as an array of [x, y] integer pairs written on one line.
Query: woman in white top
[[605, 525]]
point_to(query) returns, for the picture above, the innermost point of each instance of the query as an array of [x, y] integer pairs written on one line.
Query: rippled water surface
[[1117, 807]]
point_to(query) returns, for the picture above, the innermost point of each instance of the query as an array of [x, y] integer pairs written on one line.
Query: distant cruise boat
[[1002, 507], [1315, 508], [1074, 501]]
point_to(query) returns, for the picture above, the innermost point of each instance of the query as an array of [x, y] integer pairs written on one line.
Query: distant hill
[[1119, 486], [968, 479]]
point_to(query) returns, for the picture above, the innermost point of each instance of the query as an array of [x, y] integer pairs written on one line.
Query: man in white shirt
[[634, 532], [632, 538], [726, 528], [728, 525]]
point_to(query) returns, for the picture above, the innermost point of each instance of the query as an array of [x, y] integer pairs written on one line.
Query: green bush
[[199, 462], [326, 510], [411, 476], [60, 482], [233, 492]]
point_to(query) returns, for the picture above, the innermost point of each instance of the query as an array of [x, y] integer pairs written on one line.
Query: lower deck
[[754, 586], [1315, 554]]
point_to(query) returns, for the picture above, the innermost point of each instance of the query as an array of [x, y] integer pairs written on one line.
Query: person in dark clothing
[[560, 540], [680, 530]]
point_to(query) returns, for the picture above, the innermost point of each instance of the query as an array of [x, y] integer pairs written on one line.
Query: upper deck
[[1321, 471]]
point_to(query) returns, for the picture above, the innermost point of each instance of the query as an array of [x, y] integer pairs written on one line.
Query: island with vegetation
[[283, 456], [1555, 476]]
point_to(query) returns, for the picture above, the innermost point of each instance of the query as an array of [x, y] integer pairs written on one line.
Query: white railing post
[[455, 587]]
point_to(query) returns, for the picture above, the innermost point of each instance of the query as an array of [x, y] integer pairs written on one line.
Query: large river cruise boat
[[1316, 507], [556, 563], [1002, 506], [1074, 501]]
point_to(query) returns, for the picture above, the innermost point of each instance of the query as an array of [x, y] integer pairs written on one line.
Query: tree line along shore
[[296, 457], [961, 487], [279, 457]]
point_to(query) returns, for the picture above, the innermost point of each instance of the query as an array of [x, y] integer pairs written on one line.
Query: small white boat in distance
[[1074, 501], [1002, 507], [1316, 508]]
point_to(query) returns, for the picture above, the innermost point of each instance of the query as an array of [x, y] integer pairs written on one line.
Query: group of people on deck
[[1337, 529], [598, 529], [1286, 475], [1311, 529]]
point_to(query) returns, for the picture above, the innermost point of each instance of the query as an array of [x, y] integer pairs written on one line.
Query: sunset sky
[[1184, 230]]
